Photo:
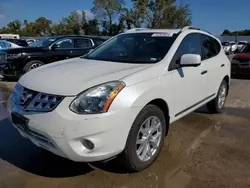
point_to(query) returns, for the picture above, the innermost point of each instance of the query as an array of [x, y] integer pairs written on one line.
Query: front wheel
[[217, 105], [145, 139], [32, 65]]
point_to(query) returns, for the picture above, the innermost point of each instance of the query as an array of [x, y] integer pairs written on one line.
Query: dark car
[[18, 42], [21, 60], [240, 66]]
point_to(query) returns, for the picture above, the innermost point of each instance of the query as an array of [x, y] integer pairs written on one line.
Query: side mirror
[[190, 60], [55, 46]]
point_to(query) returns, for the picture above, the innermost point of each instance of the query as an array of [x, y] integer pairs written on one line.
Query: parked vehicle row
[[21, 60], [233, 47], [241, 62], [119, 99]]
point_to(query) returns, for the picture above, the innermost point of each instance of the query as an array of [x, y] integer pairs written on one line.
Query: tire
[[129, 156], [32, 65], [214, 106]]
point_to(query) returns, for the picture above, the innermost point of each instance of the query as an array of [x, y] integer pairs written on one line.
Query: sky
[[210, 15]]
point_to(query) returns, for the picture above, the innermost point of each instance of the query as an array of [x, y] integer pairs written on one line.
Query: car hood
[[242, 56], [70, 77]]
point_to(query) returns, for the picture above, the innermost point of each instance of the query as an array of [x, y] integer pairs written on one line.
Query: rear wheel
[[145, 139], [32, 65], [217, 105]]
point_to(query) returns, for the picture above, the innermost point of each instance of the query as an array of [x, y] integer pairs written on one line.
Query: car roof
[[144, 30], [77, 36], [170, 32]]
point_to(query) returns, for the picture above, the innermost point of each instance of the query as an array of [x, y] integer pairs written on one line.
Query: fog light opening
[[88, 144]]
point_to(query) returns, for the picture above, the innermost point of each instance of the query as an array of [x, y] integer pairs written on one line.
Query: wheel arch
[[162, 104], [31, 58]]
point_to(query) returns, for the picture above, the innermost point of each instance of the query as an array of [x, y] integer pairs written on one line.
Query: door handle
[[222, 65], [204, 72]]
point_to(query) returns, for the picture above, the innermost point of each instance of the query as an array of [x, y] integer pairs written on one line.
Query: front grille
[[30, 100]]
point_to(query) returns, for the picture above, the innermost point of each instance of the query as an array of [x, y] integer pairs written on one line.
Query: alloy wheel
[[148, 138]]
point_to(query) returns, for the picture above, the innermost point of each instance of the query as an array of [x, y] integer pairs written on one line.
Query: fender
[[35, 57]]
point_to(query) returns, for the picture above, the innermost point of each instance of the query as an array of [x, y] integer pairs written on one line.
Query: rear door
[[212, 62], [82, 46], [189, 82]]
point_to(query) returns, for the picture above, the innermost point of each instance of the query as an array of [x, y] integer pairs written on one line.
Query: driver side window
[[65, 43], [189, 45]]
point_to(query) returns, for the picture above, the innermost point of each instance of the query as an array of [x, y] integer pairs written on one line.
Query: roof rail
[[135, 29], [189, 27]]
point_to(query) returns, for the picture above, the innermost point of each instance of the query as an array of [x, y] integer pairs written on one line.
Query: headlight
[[13, 56], [97, 99]]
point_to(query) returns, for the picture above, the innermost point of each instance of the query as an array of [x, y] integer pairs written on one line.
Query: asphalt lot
[[202, 150]]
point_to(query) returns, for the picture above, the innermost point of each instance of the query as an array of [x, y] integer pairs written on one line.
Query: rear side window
[[189, 45], [210, 47], [83, 43]]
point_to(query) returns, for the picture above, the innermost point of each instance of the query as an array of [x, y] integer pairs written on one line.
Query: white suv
[[120, 99]]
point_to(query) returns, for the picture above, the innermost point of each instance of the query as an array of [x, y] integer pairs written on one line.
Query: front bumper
[[10, 69], [63, 131]]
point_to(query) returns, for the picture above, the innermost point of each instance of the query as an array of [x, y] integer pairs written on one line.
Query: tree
[[91, 27], [28, 29], [158, 14], [43, 26], [15, 26], [226, 32], [107, 11]]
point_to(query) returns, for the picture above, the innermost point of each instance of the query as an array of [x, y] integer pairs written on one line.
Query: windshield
[[246, 49], [42, 42], [242, 43], [134, 48]]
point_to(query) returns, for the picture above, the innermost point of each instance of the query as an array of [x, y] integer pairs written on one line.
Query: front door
[[189, 82], [62, 49]]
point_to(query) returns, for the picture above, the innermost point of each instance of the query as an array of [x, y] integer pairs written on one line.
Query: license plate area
[[20, 121]]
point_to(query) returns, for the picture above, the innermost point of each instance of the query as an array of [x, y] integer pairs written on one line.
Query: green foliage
[[111, 18], [158, 14], [106, 12], [236, 33]]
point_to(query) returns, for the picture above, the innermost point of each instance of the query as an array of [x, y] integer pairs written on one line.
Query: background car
[[6, 44], [241, 44], [47, 50], [233, 45], [18, 42], [227, 47], [240, 66]]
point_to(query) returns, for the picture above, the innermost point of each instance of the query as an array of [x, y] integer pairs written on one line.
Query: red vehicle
[[240, 66]]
